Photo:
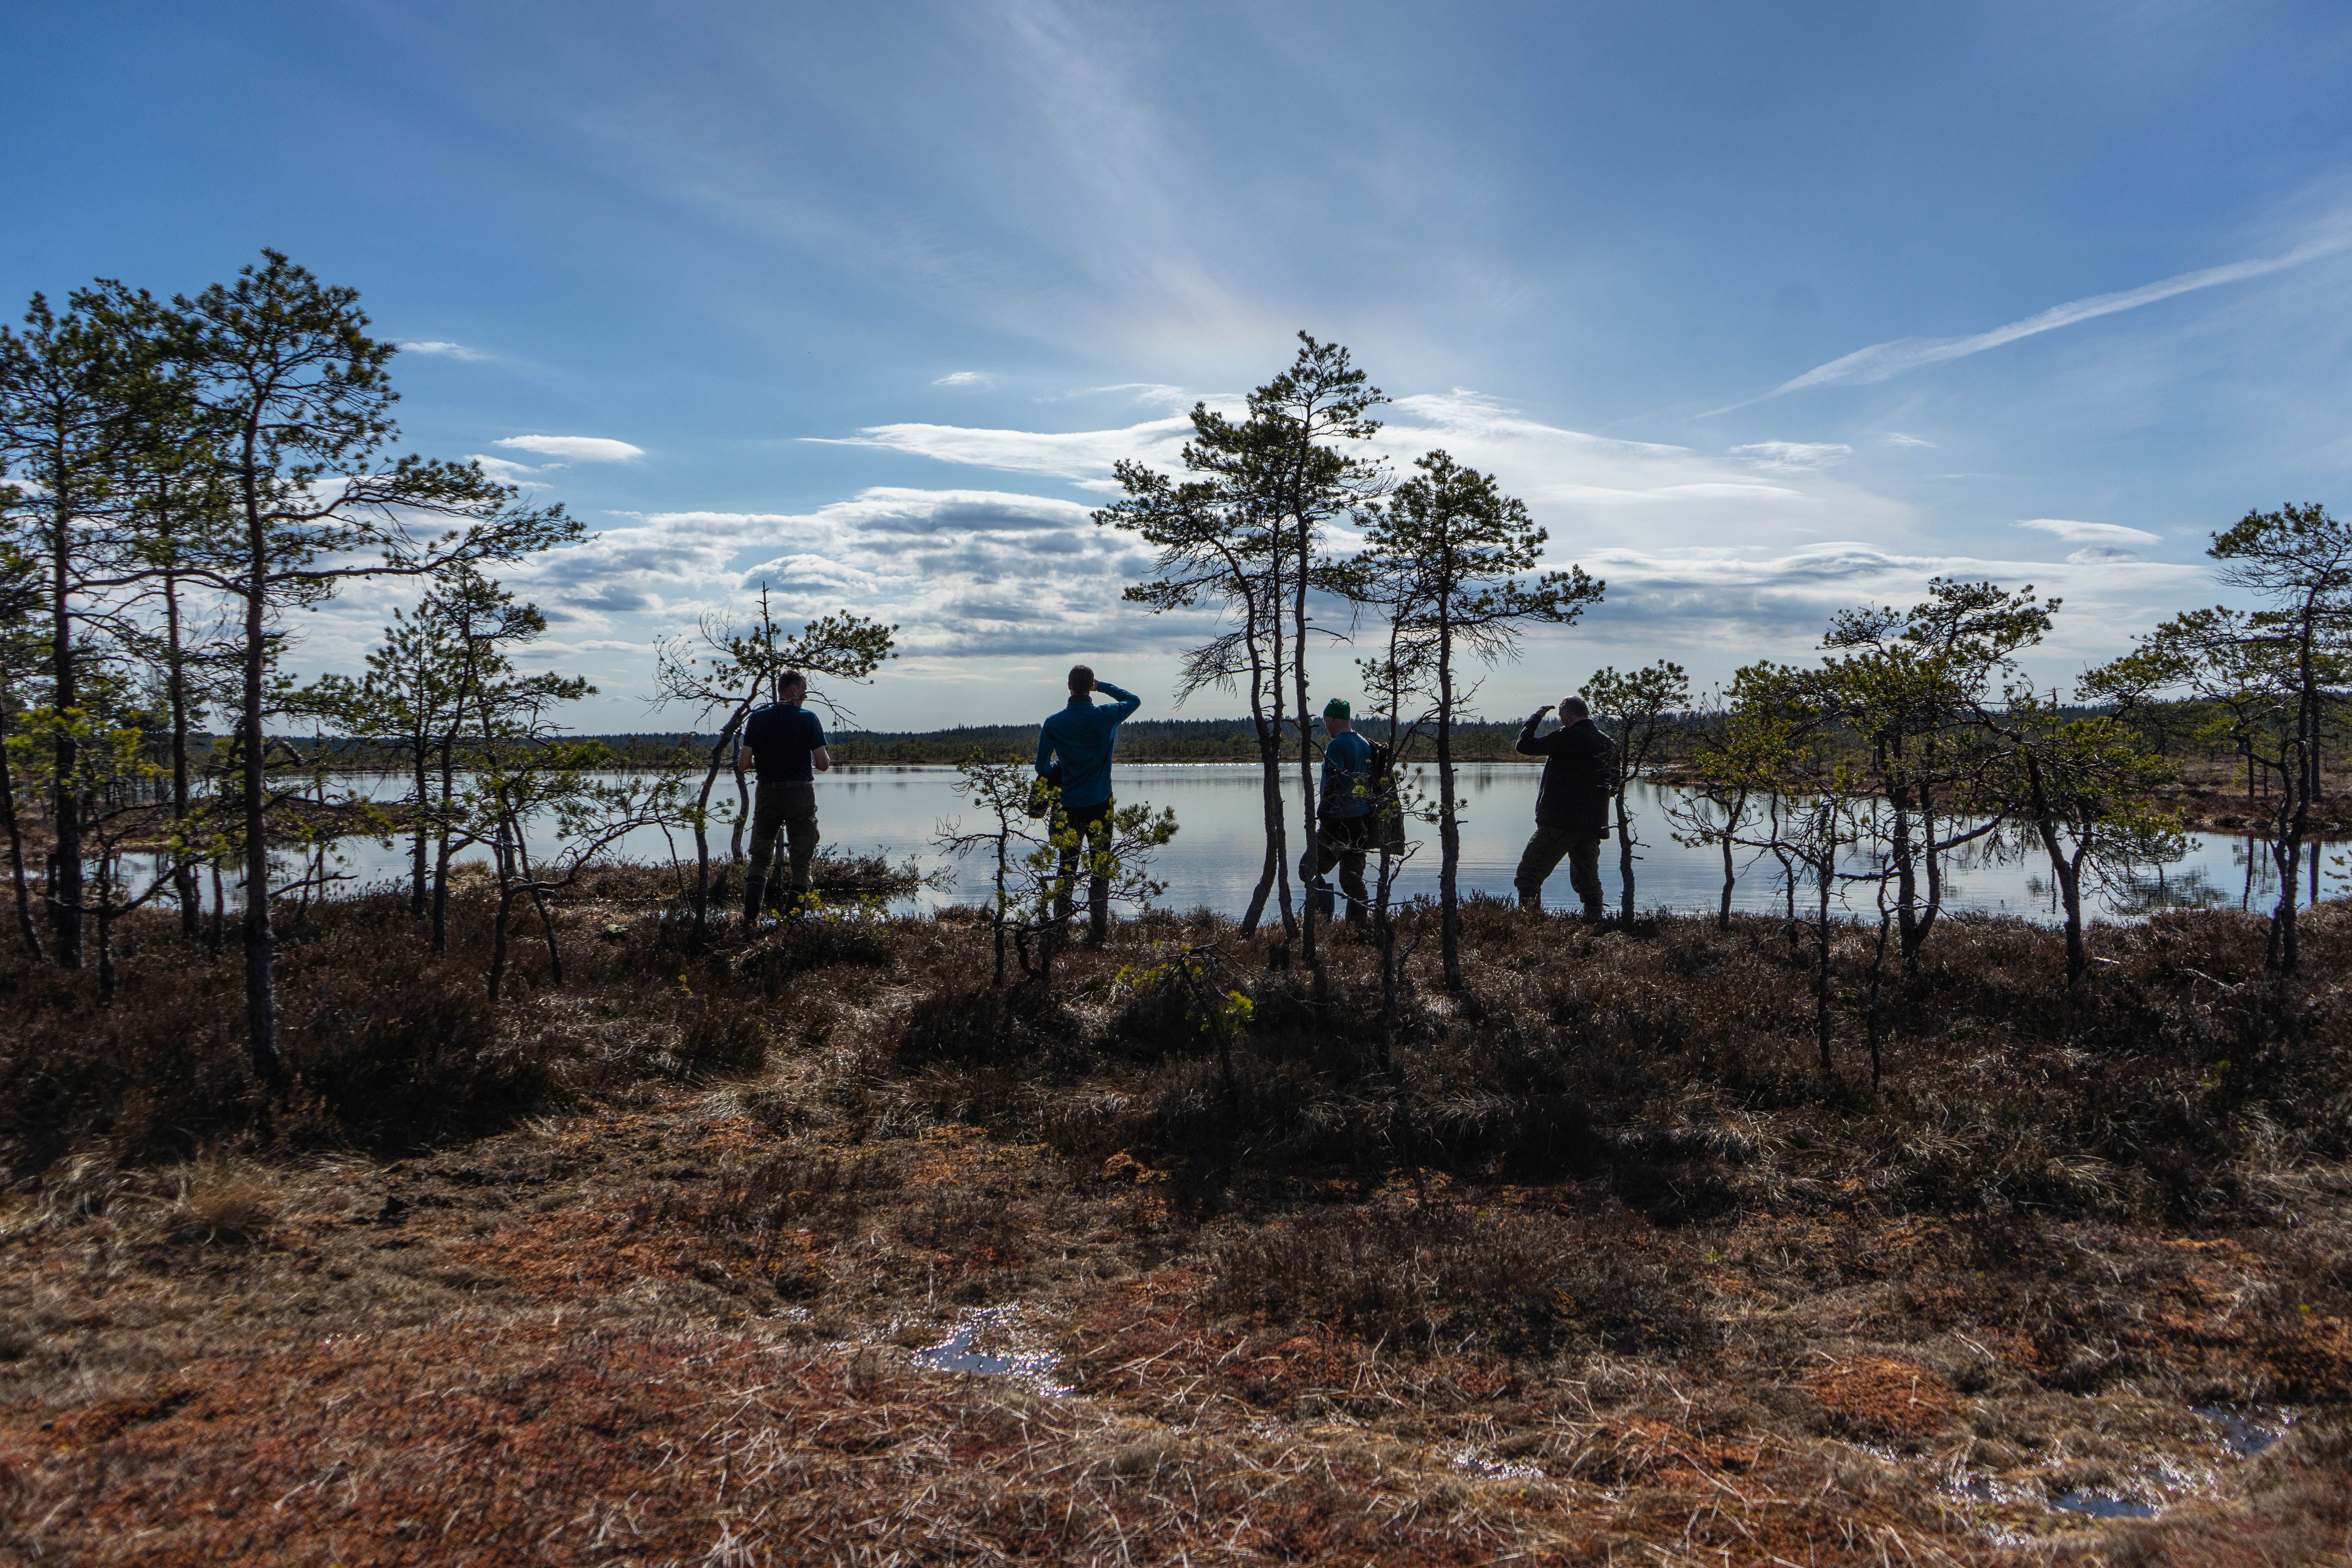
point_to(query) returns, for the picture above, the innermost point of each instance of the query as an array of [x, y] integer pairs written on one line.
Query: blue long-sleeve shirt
[[1080, 736], [1346, 775]]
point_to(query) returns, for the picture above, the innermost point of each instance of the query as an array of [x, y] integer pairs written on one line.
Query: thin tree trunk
[[420, 829], [1933, 855], [1273, 874], [1306, 805], [1877, 979], [1822, 952], [1624, 855], [260, 942], [441, 850], [65, 807], [27, 927], [1449, 830], [1906, 879], [701, 821], [106, 977], [1730, 875], [743, 817], [183, 874]]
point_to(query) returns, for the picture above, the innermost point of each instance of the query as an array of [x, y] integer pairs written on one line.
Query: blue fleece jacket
[[1081, 736]]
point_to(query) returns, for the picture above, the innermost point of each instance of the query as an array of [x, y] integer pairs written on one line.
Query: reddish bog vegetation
[[819, 1248]]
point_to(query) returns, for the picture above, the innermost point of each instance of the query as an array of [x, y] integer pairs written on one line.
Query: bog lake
[[1214, 859]]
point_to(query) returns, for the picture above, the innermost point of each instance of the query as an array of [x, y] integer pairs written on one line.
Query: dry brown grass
[[1603, 1272]]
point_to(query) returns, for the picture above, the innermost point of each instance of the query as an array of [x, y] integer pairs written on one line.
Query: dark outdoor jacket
[[1579, 773]]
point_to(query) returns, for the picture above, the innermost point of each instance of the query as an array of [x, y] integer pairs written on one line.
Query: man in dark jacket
[[1571, 804]]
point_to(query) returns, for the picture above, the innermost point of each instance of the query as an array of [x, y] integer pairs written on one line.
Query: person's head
[[1082, 679], [791, 686], [1571, 709], [1338, 717]]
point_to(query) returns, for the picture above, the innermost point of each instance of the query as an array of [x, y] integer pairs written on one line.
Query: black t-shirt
[[781, 737]]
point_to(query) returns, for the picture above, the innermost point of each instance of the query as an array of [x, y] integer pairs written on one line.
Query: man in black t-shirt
[[787, 743]]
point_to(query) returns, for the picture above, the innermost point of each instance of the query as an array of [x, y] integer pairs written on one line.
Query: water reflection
[[1215, 857]]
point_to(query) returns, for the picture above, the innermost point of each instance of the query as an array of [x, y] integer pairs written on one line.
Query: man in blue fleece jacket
[[1074, 748]]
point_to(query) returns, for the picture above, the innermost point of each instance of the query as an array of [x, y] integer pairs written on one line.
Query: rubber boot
[[755, 889]]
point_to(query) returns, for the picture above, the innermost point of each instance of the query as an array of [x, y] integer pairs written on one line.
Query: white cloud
[[1076, 455], [1586, 489], [1897, 438], [1755, 604], [579, 448], [2074, 533], [961, 572], [1794, 457], [962, 378], [505, 472], [1159, 392], [1882, 362], [451, 351]]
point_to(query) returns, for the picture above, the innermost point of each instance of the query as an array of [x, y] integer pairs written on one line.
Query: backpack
[[1388, 808]]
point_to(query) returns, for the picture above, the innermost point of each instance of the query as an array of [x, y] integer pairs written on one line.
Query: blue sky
[[1766, 309]]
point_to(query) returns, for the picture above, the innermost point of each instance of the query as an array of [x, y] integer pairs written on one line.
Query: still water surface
[[1219, 846]]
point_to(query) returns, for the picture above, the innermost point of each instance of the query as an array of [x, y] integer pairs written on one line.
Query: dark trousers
[[1342, 841], [792, 808], [1090, 825], [1544, 851]]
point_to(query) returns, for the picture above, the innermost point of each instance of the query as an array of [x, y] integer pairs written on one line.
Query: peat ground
[[818, 1247]]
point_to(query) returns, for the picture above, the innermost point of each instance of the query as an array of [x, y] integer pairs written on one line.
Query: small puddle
[[1033, 1369], [2246, 1433], [1472, 1462], [2102, 1506]]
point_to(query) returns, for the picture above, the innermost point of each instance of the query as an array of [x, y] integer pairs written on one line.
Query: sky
[[1766, 311]]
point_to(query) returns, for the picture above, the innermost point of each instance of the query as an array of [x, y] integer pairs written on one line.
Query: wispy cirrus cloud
[[1794, 457], [575, 448], [446, 350], [962, 378], [1897, 356]]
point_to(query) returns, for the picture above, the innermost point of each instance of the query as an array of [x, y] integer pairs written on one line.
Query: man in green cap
[[1343, 813]]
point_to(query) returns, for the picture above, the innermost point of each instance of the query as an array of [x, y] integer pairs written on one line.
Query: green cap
[[1338, 709]]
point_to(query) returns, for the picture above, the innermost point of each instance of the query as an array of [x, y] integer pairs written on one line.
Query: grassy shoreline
[[1604, 1268]]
